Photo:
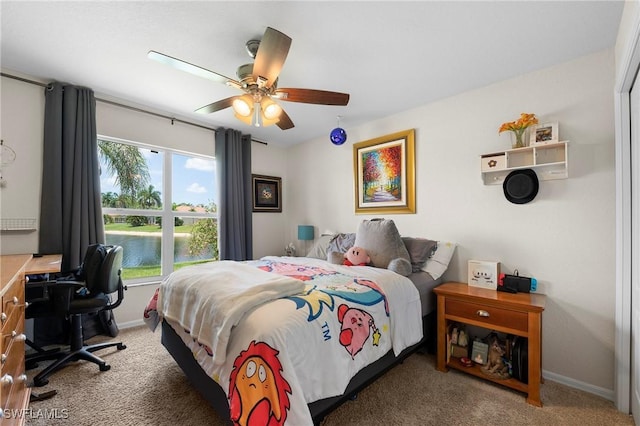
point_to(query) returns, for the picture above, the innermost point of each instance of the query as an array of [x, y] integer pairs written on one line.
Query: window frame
[[167, 214]]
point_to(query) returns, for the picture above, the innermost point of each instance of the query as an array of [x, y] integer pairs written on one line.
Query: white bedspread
[[284, 352], [209, 299]]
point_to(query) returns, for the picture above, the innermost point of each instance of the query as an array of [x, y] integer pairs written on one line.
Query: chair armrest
[[61, 293], [73, 285], [37, 291]]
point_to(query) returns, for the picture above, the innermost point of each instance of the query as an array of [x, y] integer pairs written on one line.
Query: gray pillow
[[341, 243], [319, 249], [381, 239], [420, 250]]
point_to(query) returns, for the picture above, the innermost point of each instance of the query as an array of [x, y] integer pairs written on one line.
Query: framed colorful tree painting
[[384, 171]]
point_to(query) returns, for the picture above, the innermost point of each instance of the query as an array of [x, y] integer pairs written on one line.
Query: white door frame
[[630, 66]]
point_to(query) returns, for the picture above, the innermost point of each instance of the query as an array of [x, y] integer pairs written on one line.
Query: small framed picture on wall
[[267, 194], [542, 134]]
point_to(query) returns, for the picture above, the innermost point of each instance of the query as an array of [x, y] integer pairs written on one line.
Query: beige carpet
[[146, 387]]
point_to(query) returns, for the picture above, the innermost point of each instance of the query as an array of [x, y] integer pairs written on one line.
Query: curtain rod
[[173, 119]]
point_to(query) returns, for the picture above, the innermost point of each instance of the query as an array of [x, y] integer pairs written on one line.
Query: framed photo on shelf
[[384, 174], [542, 134], [267, 193]]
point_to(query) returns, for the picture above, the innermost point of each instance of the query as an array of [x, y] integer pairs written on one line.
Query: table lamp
[[305, 233]]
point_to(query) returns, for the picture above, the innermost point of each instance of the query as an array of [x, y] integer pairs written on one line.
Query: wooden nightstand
[[519, 314]]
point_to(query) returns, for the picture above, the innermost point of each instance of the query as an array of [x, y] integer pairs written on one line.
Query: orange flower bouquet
[[518, 127]]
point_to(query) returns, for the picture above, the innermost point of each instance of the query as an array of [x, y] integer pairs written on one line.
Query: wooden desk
[[49, 263], [14, 393], [518, 314]]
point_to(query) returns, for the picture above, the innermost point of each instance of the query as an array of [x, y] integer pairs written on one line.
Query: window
[[144, 188]]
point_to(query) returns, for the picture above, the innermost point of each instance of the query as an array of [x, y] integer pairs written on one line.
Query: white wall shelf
[[17, 225], [550, 161]]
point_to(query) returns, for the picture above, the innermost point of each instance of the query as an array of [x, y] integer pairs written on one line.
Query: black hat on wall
[[521, 186]]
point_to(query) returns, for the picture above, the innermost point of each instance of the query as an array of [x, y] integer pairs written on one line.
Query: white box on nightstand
[[484, 274]]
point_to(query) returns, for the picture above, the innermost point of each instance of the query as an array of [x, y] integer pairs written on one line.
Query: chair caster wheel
[[121, 346], [105, 367]]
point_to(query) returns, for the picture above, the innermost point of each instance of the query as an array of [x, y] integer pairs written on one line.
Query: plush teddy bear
[[356, 256]]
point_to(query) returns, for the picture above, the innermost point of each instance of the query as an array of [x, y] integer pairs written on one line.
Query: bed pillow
[[420, 250], [319, 249], [439, 261], [341, 243], [381, 239]]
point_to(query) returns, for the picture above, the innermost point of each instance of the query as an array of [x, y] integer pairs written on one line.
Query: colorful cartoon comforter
[[308, 328]]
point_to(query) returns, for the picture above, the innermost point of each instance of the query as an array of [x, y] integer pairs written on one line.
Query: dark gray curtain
[[70, 212], [233, 169]]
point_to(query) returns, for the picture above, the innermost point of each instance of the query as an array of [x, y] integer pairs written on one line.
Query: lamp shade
[[305, 232]]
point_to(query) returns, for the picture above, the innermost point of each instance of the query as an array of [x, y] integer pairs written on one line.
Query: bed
[[285, 340]]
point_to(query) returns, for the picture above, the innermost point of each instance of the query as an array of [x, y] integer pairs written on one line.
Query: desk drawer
[[12, 374], [11, 301], [14, 330], [487, 314]]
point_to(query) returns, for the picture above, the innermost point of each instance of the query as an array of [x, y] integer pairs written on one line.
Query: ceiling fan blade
[[190, 68], [216, 106], [311, 96], [270, 57], [285, 122]]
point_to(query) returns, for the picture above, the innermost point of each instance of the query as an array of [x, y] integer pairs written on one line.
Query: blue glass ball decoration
[[338, 136]]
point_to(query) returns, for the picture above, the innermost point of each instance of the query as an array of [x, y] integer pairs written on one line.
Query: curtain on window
[[71, 212], [233, 168]]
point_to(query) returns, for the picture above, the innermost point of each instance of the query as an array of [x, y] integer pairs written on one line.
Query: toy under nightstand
[[518, 314]]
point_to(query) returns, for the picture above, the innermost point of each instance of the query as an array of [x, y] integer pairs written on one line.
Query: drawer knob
[[15, 300], [3, 317], [21, 337], [482, 313], [6, 379], [3, 358], [22, 378]]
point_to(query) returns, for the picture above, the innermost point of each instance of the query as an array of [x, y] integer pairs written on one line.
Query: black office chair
[[71, 299]]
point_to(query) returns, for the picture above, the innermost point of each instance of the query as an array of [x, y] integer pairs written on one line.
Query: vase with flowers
[[519, 128]]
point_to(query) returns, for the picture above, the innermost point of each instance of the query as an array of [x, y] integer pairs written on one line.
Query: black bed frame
[[214, 394]]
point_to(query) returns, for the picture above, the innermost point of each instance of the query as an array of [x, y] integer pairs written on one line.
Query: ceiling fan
[[259, 81]]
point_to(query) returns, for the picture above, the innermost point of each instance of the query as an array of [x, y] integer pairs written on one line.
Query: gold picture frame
[[384, 174]]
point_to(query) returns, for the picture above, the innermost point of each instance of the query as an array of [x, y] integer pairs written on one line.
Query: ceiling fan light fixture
[[246, 120], [242, 106], [270, 109], [257, 115]]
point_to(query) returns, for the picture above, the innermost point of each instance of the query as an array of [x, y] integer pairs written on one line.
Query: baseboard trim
[[577, 384], [130, 324]]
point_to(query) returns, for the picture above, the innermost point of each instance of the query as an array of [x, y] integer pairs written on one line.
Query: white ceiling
[[389, 56]]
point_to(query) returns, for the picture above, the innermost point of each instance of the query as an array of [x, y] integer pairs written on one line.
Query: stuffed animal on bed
[[355, 256]]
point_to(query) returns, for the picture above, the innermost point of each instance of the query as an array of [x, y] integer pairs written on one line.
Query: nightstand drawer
[[488, 315]]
